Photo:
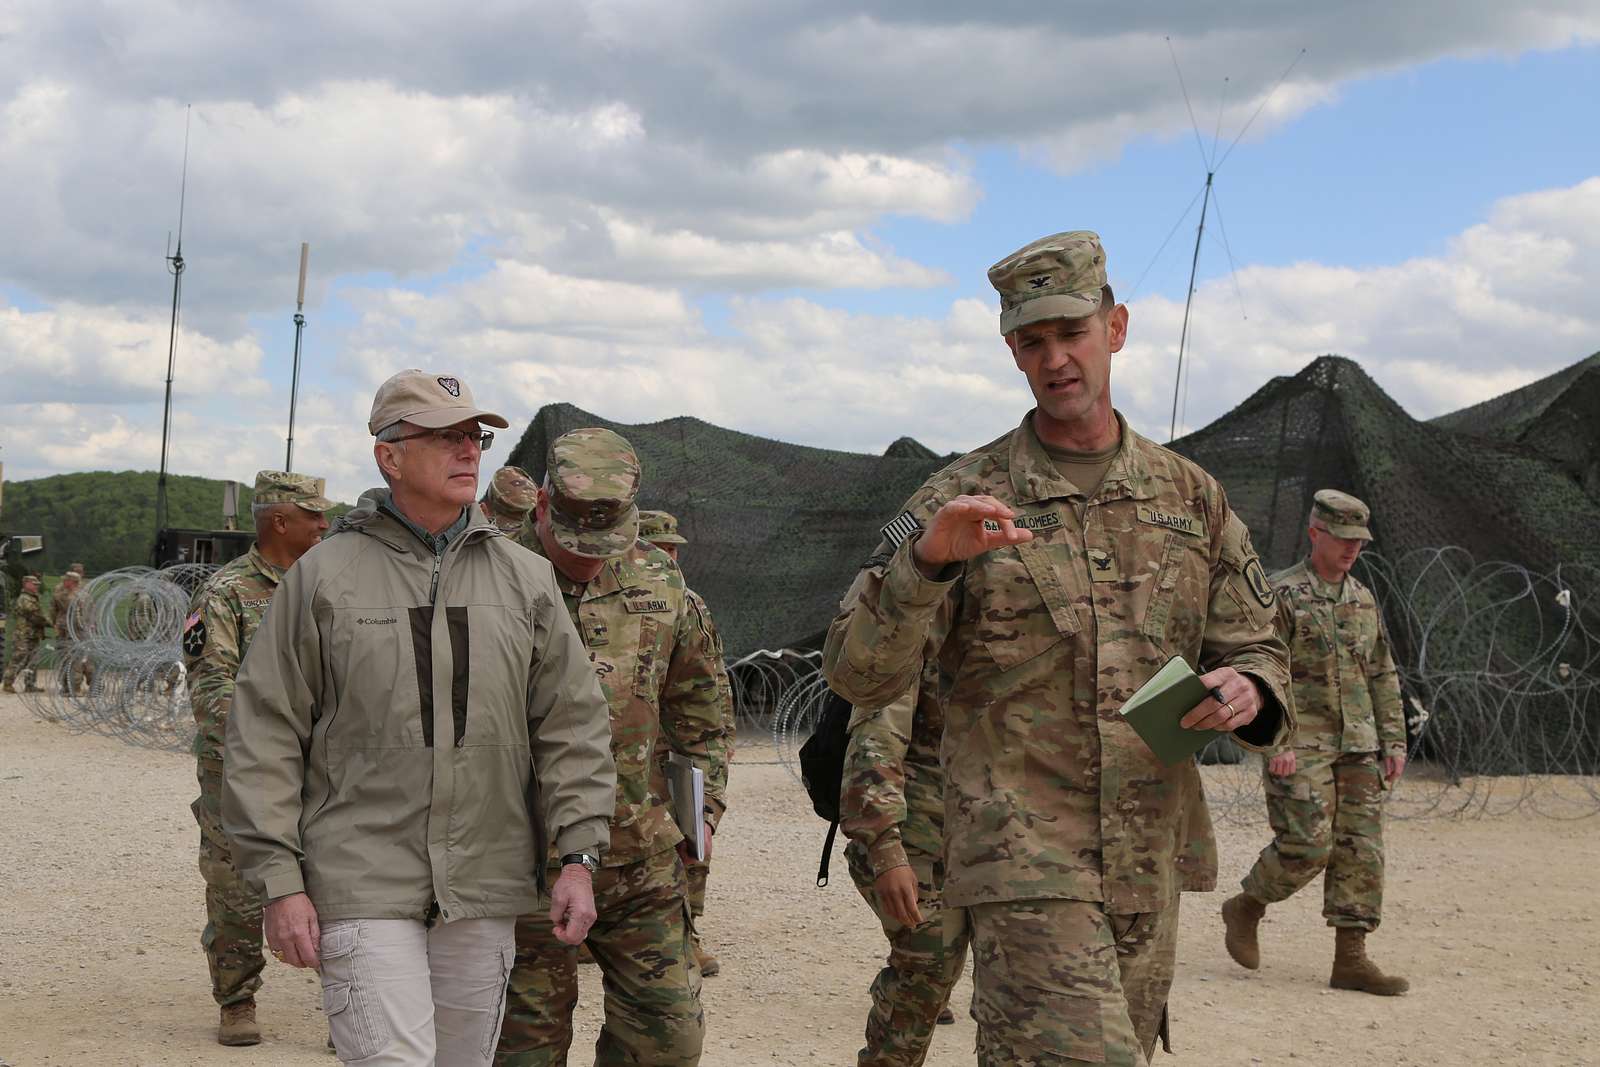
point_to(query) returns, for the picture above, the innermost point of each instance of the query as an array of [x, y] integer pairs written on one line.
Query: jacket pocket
[[1014, 622], [1175, 613]]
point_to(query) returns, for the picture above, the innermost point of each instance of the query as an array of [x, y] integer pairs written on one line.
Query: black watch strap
[[587, 861]]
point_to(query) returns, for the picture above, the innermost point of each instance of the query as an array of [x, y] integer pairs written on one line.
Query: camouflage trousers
[[232, 937], [1327, 818], [641, 942], [924, 964], [697, 874], [1061, 982], [23, 646]]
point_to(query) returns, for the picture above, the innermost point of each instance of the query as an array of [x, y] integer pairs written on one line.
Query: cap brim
[[1350, 532], [318, 504], [439, 418], [668, 539], [595, 544], [1040, 308]]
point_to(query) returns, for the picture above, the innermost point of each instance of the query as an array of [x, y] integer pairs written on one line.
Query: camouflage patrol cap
[[281, 487], [660, 528], [593, 479], [1340, 514], [512, 490], [423, 398], [1055, 277], [76, 568]]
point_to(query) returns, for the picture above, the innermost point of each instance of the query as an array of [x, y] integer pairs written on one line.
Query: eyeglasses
[[453, 438]]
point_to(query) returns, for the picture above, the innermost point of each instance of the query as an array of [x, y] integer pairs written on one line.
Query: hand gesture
[[965, 527]]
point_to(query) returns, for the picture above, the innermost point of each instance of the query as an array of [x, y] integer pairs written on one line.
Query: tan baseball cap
[[1340, 514], [1055, 277], [593, 478], [431, 401], [281, 487]]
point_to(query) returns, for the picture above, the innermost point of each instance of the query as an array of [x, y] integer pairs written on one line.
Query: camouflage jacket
[[1346, 689], [892, 803], [60, 604], [1047, 792], [719, 660], [30, 616], [653, 651], [223, 616]]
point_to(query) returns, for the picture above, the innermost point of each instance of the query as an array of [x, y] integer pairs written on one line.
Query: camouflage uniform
[[81, 667], [27, 635], [1065, 838], [661, 528], [223, 617], [892, 809], [1327, 816], [653, 652], [510, 499]]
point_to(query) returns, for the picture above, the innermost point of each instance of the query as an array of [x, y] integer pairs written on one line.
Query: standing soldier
[[509, 499], [289, 517], [30, 627], [1325, 793], [660, 528], [77, 668], [891, 807], [1048, 575], [652, 652]]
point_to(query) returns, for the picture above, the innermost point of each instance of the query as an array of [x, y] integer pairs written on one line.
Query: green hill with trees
[[107, 519]]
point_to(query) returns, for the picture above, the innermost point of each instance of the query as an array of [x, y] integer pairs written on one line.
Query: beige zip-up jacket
[[401, 719]]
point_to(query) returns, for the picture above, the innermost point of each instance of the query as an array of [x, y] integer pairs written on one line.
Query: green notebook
[[1154, 710]]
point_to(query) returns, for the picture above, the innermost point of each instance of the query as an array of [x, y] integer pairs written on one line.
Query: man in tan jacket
[[414, 700]]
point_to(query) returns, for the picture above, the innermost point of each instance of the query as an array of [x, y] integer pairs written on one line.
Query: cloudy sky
[[775, 216]]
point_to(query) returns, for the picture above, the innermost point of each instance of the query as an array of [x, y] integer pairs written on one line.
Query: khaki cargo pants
[[924, 965], [641, 942], [1062, 982], [1327, 819]]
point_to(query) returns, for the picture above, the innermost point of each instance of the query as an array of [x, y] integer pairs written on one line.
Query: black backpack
[[822, 768]]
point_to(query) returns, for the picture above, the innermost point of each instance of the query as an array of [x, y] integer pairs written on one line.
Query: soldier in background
[[509, 499], [1325, 793], [891, 806], [660, 528], [78, 671], [290, 516], [29, 628], [653, 655], [1048, 575]]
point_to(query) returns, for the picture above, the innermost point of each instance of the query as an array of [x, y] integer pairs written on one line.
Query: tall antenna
[[1212, 165], [175, 267], [299, 325]]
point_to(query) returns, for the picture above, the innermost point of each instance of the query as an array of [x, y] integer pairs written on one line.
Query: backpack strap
[[827, 854]]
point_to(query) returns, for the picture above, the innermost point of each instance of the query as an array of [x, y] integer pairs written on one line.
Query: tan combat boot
[[8, 688], [707, 962], [1241, 915], [1352, 969], [238, 1026]]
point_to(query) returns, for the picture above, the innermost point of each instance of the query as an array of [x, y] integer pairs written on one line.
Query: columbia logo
[[390, 621]]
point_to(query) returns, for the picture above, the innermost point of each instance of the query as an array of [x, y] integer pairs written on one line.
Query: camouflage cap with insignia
[[593, 479], [660, 528], [423, 398], [1340, 514], [512, 490], [281, 487], [1055, 277]]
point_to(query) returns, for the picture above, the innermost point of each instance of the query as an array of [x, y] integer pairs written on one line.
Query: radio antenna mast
[[175, 267], [1212, 165], [299, 325]]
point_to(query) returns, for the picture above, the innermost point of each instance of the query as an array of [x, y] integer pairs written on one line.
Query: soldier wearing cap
[[510, 499], [27, 635], [653, 653], [76, 667], [414, 720], [1048, 575], [1325, 790], [660, 528], [290, 513]]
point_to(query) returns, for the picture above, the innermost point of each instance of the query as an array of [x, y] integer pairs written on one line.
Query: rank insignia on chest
[[1184, 524], [595, 634], [1103, 566]]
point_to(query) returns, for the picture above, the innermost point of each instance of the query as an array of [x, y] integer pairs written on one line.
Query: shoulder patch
[[1259, 585], [899, 528], [194, 633]]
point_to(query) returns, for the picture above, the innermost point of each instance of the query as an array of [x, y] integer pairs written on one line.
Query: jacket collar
[[1034, 476], [271, 571], [618, 574], [374, 515]]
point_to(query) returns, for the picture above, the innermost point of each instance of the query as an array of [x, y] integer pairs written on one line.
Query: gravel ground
[[1493, 921]]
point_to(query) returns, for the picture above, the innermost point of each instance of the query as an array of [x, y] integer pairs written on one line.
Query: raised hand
[[965, 527]]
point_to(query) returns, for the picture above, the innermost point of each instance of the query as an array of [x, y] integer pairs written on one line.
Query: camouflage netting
[[777, 530]]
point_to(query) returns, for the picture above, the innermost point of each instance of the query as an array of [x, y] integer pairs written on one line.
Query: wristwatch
[[590, 863]]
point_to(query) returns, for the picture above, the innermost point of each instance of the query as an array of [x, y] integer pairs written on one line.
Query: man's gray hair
[[390, 435], [261, 512]]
